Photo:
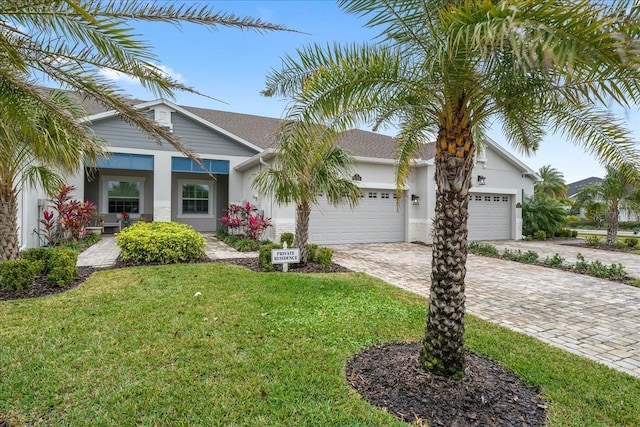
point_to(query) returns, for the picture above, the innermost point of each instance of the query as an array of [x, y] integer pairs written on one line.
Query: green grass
[[136, 347]]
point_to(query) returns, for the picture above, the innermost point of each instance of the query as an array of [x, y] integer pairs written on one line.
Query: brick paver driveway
[[595, 318]]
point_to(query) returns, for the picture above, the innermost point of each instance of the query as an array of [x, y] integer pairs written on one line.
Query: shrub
[[325, 257], [160, 242], [631, 242], [555, 261], [287, 237], [593, 240], [529, 257], [620, 244], [245, 245], [486, 249], [16, 274], [542, 213], [540, 235], [264, 256], [312, 251], [598, 269], [62, 268], [566, 232], [43, 254]]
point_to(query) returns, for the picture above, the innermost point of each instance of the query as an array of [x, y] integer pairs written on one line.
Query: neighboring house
[[142, 177], [575, 187]]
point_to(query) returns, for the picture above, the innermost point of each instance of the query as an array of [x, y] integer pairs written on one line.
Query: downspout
[[23, 246], [263, 163]]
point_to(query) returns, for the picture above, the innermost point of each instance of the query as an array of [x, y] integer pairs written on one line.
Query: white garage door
[[375, 219], [490, 216]]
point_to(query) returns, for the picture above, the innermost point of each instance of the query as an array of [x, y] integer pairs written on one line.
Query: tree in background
[[552, 185], [617, 192], [308, 163], [446, 70]]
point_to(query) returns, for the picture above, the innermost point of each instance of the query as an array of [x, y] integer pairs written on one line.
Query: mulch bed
[[602, 247], [391, 378]]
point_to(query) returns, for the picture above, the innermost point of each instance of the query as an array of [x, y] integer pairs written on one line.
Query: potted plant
[[126, 219]]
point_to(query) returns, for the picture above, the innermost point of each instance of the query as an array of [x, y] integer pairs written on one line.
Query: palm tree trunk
[[303, 212], [442, 350], [9, 248], [612, 224]]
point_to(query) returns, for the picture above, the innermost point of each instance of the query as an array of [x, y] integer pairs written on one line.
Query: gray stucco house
[[144, 178]]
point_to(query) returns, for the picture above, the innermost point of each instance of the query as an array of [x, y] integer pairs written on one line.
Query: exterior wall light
[[482, 180], [415, 200]]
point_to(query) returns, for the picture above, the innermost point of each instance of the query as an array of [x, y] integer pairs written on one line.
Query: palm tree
[[38, 161], [67, 43], [552, 185], [447, 70], [307, 163], [617, 192]]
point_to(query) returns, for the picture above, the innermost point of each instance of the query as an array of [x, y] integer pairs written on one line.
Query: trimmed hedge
[[16, 274], [58, 264], [264, 256], [160, 242]]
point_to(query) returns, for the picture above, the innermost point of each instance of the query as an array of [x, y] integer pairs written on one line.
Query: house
[[144, 178], [574, 187]]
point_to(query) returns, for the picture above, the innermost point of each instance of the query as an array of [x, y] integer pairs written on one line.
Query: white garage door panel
[[375, 219], [490, 216]]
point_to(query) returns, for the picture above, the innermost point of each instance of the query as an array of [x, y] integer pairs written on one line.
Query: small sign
[[285, 256]]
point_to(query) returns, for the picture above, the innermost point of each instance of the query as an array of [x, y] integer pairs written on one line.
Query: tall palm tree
[[307, 163], [617, 192], [68, 43], [552, 185], [447, 70], [38, 162]]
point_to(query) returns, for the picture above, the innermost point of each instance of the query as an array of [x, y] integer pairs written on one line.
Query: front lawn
[[135, 346]]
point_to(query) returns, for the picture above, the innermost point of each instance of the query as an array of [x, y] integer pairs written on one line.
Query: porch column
[[162, 187]]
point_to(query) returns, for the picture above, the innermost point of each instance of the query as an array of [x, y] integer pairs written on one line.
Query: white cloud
[[117, 76]]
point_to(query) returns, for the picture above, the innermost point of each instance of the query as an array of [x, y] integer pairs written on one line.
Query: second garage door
[[490, 216], [375, 219]]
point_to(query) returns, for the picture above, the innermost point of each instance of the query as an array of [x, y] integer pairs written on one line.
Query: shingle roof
[[260, 130], [574, 187]]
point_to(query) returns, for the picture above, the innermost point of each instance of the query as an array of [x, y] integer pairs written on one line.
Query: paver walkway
[[594, 318]]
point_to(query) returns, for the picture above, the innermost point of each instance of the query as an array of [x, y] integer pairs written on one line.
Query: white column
[[162, 187]]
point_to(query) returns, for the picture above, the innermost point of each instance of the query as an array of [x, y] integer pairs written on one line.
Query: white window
[[195, 199], [384, 195], [123, 194], [373, 195]]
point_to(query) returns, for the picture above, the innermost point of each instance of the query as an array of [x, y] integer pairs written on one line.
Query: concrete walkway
[[594, 318]]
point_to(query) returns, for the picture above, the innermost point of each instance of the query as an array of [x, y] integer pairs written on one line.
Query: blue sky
[[231, 65]]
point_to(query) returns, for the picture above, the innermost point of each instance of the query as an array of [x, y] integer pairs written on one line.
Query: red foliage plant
[[244, 219], [71, 216]]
